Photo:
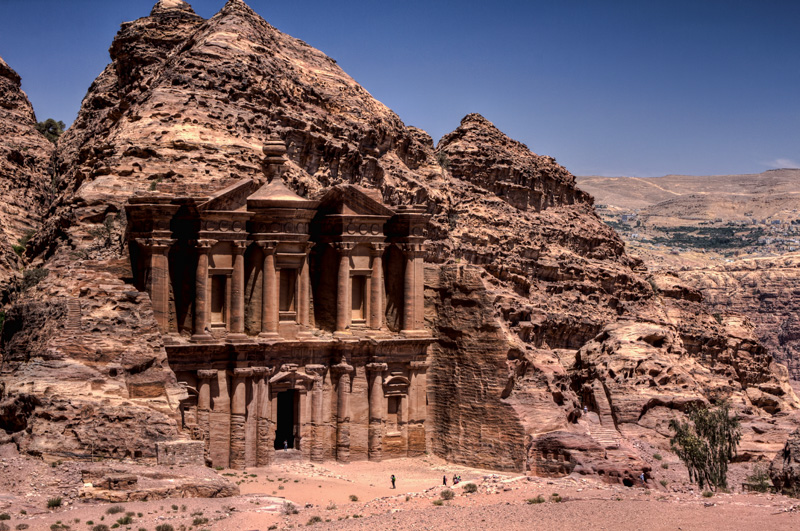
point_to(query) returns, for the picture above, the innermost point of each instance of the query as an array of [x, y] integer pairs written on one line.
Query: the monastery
[[290, 321]]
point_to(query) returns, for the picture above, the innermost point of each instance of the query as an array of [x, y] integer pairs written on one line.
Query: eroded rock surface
[[785, 468], [537, 310], [766, 290], [25, 160]]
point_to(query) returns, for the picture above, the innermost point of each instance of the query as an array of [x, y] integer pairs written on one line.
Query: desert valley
[[240, 293]]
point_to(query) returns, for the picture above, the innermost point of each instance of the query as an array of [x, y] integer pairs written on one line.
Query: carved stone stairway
[[605, 432]]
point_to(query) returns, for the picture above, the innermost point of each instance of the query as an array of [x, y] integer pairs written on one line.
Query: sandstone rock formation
[[784, 471], [536, 308], [766, 290], [25, 160]]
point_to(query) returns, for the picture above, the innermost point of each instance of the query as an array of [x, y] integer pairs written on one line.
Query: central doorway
[[287, 419]]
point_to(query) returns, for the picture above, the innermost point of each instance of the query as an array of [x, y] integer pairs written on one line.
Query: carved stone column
[[237, 292], [220, 420], [317, 443], [376, 303], [344, 310], [201, 292], [304, 304], [343, 412], [419, 289], [238, 410], [159, 281], [413, 286], [204, 404], [266, 437], [376, 410], [417, 410], [269, 292]]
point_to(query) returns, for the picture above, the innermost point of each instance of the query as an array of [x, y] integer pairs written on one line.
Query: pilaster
[[376, 410], [201, 332], [344, 370], [344, 310]]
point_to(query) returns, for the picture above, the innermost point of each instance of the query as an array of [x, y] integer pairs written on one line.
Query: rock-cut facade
[[295, 325]]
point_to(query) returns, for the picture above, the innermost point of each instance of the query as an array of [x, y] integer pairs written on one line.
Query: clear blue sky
[[639, 87]]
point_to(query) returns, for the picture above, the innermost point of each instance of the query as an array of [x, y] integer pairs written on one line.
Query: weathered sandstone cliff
[[536, 308], [766, 291], [25, 159]]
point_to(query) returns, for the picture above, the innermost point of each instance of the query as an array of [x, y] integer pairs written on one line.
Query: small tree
[[706, 443], [51, 129]]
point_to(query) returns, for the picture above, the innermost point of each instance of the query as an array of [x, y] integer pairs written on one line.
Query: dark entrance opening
[[286, 419]]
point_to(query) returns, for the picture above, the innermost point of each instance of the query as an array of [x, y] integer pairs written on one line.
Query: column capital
[[268, 246], [377, 367], [344, 248], [263, 371], [242, 372], [317, 369], [156, 244], [377, 248], [289, 367], [207, 374], [413, 250], [342, 368], [239, 246], [203, 246]]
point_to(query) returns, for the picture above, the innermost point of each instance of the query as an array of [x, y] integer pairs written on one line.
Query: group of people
[[456, 480]]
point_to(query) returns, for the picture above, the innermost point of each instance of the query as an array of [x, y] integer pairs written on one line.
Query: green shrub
[[114, 509], [289, 508], [556, 498], [314, 520], [657, 457], [438, 502], [447, 494], [537, 499], [707, 494], [51, 129], [199, 521], [665, 466], [5, 516], [31, 277], [663, 482], [759, 479], [100, 527], [125, 520], [21, 527], [164, 527], [353, 498], [470, 488], [53, 503]]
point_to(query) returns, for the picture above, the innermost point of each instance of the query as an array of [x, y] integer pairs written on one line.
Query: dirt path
[[322, 495]]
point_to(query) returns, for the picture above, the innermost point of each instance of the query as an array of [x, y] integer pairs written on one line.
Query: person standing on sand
[[285, 445], [393, 480], [444, 480]]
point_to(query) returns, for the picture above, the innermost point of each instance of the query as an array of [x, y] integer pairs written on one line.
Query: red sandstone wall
[[468, 421]]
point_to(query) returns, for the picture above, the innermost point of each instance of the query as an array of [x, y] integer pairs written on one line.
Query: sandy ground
[[321, 494]]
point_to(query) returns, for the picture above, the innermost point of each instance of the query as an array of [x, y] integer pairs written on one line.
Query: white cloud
[[783, 163]]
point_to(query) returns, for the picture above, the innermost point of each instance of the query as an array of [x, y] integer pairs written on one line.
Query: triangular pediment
[[277, 195], [351, 200], [231, 198]]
